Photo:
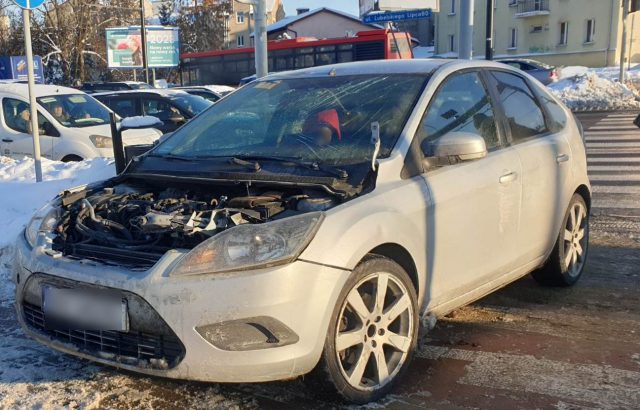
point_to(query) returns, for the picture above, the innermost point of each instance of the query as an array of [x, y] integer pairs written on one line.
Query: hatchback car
[[73, 126], [355, 203], [172, 107], [542, 72]]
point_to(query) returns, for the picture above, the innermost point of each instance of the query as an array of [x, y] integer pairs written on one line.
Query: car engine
[[134, 226]]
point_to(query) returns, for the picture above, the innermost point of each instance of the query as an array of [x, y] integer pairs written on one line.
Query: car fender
[[352, 230]]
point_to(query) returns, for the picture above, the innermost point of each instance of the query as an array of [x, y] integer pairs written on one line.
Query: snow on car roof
[[160, 91], [41, 90]]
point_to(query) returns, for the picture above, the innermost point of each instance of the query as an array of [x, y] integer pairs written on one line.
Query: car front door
[[17, 141], [473, 208], [545, 156]]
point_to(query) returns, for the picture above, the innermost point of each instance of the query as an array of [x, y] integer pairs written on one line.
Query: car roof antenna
[[375, 140]]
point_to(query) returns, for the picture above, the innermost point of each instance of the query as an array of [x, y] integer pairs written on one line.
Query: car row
[[309, 224]]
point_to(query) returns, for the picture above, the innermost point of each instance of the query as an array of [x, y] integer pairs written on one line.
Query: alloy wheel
[[374, 331], [576, 237]]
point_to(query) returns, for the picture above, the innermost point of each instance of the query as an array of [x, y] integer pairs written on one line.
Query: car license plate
[[81, 309]]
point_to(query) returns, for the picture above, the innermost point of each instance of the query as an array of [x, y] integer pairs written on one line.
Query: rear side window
[[524, 116], [125, 107]]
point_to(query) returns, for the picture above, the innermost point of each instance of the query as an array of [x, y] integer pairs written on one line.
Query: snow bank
[[584, 89], [21, 196]]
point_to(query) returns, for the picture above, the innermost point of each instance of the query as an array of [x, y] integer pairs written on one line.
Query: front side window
[[17, 116], [463, 105], [320, 119], [124, 107], [75, 110], [524, 116]]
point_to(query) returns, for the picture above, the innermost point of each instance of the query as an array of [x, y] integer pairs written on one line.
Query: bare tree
[[203, 24]]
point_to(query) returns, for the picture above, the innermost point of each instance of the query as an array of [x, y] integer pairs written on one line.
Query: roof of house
[[287, 21]]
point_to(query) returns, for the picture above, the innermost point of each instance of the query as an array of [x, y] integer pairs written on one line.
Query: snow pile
[[585, 89], [21, 196]]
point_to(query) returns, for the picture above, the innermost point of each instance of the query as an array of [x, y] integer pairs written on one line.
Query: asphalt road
[[524, 346]]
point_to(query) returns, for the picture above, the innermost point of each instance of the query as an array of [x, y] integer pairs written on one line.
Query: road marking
[[603, 385]]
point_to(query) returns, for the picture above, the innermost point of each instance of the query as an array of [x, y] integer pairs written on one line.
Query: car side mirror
[[136, 123], [456, 147]]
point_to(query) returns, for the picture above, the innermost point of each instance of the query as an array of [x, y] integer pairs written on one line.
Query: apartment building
[[558, 32], [241, 22]]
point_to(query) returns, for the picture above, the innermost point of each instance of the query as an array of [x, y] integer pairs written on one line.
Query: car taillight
[[553, 74]]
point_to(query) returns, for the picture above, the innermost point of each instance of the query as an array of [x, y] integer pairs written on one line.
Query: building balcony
[[532, 8]]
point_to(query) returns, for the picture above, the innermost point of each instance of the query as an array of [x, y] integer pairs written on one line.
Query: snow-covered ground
[[583, 88]]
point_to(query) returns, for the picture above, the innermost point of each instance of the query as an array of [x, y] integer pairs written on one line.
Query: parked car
[[104, 86], [542, 72], [73, 125], [209, 92], [172, 107], [368, 198]]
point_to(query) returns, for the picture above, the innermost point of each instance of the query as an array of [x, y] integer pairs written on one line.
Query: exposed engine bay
[[134, 225]]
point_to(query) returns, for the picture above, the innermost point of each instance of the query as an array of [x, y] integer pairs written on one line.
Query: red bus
[[230, 66]]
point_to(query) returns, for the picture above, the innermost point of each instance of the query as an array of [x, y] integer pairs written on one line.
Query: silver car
[[310, 223], [542, 72]]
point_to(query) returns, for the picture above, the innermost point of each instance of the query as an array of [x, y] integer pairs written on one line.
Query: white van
[[73, 125]]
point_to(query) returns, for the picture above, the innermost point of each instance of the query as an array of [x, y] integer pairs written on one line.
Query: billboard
[[15, 68], [124, 47], [367, 6]]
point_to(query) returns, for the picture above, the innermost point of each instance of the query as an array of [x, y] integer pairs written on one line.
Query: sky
[[349, 6]]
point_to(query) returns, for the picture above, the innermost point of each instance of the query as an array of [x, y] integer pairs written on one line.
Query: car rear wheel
[[566, 263], [373, 332]]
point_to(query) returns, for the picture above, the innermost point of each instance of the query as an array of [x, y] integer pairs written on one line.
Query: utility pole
[[143, 38], [488, 51], [260, 37], [33, 107], [465, 44], [623, 46]]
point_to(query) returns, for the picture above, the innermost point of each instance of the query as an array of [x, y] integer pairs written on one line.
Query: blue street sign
[[380, 17], [29, 4]]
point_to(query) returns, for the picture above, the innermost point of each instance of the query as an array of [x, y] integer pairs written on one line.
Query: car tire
[[567, 260], [371, 339]]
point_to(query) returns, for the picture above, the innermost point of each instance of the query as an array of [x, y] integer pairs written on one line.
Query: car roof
[[41, 90], [165, 92], [523, 60], [417, 66]]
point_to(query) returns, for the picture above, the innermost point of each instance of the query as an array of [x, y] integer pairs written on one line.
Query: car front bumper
[[294, 302]]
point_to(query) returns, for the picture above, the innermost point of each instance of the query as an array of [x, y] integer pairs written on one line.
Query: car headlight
[[43, 221], [252, 246], [100, 141]]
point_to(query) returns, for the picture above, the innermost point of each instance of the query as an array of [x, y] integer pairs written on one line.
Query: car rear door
[[474, 206], [545, 156]]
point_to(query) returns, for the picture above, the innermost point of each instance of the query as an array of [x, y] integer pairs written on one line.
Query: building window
[[591, 30], [240, 40], [536, 29], [513, 38], [452, 10], [564, 33], [452, 42], [240, 17]]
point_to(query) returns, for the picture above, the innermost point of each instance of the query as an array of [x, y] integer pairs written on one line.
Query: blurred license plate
[[78, 309]]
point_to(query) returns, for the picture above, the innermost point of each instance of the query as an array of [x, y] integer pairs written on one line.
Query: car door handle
[[508, 177], [562, 158], [7, 140]]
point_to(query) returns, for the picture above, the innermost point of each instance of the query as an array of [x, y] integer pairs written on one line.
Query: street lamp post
[[260, 7], [143, 39]]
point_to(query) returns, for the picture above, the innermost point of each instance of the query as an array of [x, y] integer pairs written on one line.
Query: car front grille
[[158, 350], [149, 343]]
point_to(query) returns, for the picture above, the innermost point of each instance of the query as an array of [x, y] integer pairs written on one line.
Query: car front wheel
[[372, 334], [566, 263]]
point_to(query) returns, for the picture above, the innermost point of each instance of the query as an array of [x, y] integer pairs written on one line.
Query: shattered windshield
[[75, 110], [326, 119]]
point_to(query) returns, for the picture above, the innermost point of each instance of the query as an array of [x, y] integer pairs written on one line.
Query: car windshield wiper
[[289, 161], [174, 157]]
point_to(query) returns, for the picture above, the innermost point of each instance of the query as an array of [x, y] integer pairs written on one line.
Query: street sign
[[29, 4], [124, 47], [383, 17]]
